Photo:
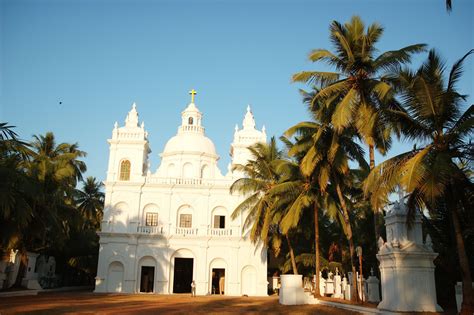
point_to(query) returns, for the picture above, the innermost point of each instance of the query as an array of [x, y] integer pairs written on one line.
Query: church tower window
[[190, 121], [185, 220], [151, 219], [219, 222], [125, 170]]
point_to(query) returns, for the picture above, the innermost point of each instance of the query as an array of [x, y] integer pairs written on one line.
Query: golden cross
[[193, 93]]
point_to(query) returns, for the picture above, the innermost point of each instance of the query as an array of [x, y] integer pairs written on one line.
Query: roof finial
[[132, 117], [193, 93], [249, 121]]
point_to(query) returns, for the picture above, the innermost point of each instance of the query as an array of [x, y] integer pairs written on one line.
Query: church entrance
[[218, 281], [147, 279], [183, 275]]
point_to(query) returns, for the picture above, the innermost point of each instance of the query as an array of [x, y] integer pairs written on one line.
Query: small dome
[[190, 143], [192, 108]]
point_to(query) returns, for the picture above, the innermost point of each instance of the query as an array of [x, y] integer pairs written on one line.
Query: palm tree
[[360, 81], [432, 174], [259, 206], [326, 161], [293, 194], [90, 201], [60, 162], [17, 190], [358, 92]]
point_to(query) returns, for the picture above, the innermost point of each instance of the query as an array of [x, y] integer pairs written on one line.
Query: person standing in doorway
[[221, 284], [193, 289]]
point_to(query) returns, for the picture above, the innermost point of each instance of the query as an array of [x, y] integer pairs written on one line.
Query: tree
[[293, 194], [326, 161], [57, 168], [17, 190], [90, 201], [358, 93], [432, 174], [259, 206]]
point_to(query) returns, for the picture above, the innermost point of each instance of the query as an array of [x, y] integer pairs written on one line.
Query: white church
[[163, 230]]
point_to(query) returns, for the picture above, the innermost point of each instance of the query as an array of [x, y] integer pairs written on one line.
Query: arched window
[[190, 121], [125, 170], [205, 171], [185, 217], [218, 216]]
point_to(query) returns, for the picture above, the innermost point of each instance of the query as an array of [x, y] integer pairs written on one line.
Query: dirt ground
[[94, 303]]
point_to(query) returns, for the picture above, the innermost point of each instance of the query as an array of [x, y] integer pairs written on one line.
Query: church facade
[[163, 230]]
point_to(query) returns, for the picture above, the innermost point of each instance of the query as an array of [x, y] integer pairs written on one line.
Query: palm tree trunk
[[316, 248], [467, 307], [348, 230], [371, 156], [292, 256], [372, 166]]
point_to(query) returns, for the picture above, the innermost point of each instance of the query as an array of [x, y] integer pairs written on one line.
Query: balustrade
[[186, 231], [182, 181], [192, 128], [142, 229], [219, 232], [159, 230]]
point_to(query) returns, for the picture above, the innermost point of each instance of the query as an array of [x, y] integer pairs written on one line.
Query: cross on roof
[[193, 93]]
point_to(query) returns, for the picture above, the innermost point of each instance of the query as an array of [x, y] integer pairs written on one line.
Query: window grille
[[151, 219], [185, 220], [125, 170]]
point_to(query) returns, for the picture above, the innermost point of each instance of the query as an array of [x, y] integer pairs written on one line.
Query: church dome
[[190, 143], [190, 138]]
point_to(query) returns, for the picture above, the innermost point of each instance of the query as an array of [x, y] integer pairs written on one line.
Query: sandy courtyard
[[90, 303]]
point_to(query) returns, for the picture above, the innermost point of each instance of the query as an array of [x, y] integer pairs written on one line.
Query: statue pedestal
[[408, 283], [291, 291], [406, 265]]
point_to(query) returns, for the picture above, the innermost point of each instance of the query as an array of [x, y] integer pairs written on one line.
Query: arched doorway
[[249, 281], [182, 271], [146, 274], [115, 277], [217, 275]]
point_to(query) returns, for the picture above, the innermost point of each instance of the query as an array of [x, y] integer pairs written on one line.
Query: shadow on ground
[[90, 303]]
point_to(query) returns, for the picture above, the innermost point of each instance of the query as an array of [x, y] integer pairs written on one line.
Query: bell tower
[[245, 137], [191, 118], [129, 149]]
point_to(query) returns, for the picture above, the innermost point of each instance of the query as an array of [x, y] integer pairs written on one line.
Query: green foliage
[[357, 94], [41, 210]]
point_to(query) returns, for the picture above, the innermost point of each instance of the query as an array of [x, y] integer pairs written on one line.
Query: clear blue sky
[[97, 57]]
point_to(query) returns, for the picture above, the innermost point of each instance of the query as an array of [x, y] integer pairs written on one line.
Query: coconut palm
[[326, 161], [58, 163], [293, 194], [90, 201], [358, 92], [259, 206], [17, 190], [360, 81], [432, 174]]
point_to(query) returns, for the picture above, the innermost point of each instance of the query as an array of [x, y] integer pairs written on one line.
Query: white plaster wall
[[129, 247], [121, 239], [135, 152], [233, 254]]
